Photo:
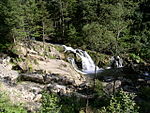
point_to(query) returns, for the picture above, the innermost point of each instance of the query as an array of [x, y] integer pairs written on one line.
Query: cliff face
[[35, 69]]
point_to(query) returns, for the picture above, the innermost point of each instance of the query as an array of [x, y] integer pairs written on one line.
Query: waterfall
[[116, 62], [88, 65], [71, 60]]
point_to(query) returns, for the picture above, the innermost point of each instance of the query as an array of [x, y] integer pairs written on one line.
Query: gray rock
[[38, 78], [56, 88], [108, 78]]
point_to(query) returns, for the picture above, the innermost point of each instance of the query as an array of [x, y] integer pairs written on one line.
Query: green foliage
[[97, 37], [99, 88], [51, 57], [4, 47], [110, 27], [135, 58], [50, 103], [107, 26], [72, 104], [73, 36], [59, 48], [99, 58], [7, 107], [121, 103]]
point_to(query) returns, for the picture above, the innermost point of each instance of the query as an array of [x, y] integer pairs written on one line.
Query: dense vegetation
[[107, 26]]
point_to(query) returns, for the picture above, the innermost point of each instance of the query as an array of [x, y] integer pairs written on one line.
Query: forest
[[108, 27]]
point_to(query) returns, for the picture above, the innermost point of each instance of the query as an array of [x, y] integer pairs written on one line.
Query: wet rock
[[141, 80], [127, 82], [148, 82], [129, 89], [110, 87], [117, 83], [108, 78]]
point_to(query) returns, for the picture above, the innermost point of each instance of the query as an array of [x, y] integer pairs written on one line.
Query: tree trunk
[[114, 83], [87, 104], [43, 24], [117, 37], [62, 18]]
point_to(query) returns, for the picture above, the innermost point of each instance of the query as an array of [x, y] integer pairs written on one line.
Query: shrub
[[50, 103], [135, 58], [99, 88], [121, 103]]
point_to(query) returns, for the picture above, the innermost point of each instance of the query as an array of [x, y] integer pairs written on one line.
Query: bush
[[50, 103], [99, 88], [98, 38], [135, 58], [72, 104], [121, 103]]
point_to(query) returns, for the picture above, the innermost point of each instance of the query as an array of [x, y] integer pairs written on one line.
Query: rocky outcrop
[[34, 58], [37, 78], [54, 75], [37, 48], [6, 73], [26, 93], [60, 68]]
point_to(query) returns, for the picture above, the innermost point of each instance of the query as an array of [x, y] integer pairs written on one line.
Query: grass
[[7, 107]]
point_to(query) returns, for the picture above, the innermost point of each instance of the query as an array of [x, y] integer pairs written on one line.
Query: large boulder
[[7, 74]]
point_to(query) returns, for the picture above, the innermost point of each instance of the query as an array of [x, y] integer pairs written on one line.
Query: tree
[[116, 16], [140, 30], [44, 22], [59, 13], [11, 19], [97, 37]]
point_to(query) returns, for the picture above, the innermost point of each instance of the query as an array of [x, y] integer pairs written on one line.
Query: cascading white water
[[116, 62], [88, 66], [71, 60]]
